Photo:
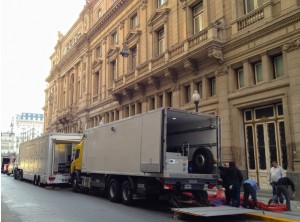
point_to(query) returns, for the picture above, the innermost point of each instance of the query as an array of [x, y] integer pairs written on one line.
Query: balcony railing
[[198, 38], [250, 18], [176, 50]]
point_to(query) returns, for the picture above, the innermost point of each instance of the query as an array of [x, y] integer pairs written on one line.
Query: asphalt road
[[24, 202]]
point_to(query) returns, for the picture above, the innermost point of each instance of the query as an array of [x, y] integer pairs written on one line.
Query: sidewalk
[[264, 197]]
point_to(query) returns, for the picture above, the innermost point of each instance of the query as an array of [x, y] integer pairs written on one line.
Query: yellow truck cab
[[77, 162]]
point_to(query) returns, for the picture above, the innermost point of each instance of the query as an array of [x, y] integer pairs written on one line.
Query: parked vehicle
[[161, 153], [4, 164], [46, 160]]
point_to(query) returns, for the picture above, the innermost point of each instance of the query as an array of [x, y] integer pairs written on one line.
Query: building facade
[[7, 144], [241, 55], [24, 126]]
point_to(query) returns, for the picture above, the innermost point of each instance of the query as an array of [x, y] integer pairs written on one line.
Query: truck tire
[[34, 180], [127, 193], [38, 181], [203, 161], [114, 190], [75, 183]]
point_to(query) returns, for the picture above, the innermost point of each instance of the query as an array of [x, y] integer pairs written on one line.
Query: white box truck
[[159, 153], [46, 160]]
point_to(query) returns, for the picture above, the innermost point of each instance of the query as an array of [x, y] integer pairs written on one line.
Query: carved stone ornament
[[291, 45], [154, 81], [217, 54], [140, 87], [191, 65], [117, 97], [171, 74], [128, 92]]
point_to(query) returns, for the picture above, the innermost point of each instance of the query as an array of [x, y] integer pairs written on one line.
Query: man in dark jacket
[[234, 179], [282, 187], [225, 183]]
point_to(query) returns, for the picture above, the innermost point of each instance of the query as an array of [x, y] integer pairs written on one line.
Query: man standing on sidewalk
[[235, 178], [276, 173], [282, 187]]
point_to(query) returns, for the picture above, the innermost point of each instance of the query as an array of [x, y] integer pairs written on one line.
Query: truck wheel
[[203, 161], [21, 175], [127, 193], [38, 181], [75, 184], [114, 190]]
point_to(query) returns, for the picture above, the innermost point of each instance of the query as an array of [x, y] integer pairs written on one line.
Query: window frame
[[275, 73], [161, 41], [198, 15], [134, 21], [255, 65], [238, 77]]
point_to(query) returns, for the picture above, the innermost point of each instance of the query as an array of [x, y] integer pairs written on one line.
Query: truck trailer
[[160, 154], [46, 160]]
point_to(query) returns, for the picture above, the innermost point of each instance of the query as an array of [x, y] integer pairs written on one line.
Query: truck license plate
[[187, 186]]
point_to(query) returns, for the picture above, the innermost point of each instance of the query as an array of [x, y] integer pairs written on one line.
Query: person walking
[[282, 187], [250, 188], [276, 173], [235, 178]]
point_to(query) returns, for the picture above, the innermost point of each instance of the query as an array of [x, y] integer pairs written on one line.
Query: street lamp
[[125, 51], [195, 99]]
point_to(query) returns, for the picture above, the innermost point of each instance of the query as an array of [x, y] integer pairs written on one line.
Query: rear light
[[51, 178], [168, 187]]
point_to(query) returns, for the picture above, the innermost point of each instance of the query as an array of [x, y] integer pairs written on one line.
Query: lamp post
[[195, 99], [125, 51]]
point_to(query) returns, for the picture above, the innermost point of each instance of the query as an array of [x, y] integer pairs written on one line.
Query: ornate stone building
[[241, 55]]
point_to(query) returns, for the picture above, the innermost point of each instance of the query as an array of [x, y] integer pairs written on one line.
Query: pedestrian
[[225, 184], [235, 178], [282, 188], [250, 188], [276, 172]]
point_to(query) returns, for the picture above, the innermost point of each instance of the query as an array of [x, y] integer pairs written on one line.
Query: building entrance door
[[265, 141]]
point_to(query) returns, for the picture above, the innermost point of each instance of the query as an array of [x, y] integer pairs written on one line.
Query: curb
[[270, 218]]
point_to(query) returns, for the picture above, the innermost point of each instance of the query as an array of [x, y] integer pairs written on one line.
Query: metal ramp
[[212, 211]]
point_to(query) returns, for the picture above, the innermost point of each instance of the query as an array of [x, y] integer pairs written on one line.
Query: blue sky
[[28, 36]]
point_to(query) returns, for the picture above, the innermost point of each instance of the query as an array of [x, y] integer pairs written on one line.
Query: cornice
[[107, 17], [260, 33]]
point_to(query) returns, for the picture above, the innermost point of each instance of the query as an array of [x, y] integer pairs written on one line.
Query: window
[[134, 21], [161, 2], [199, 88], [98, 52], [139, 108], [251, 5], [133, 58], [240, 78], [132, 110], [126, 111], [187, 94], [169, 101], [100, 13], [278, 66], [152, 103], [114, 38], [160, 101], [114, 69], [258, 72], [161, 37], [96, 83], [212, 82], [198, 18]]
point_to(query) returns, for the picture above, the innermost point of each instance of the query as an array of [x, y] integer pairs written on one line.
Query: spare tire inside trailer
[[203, 161]]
